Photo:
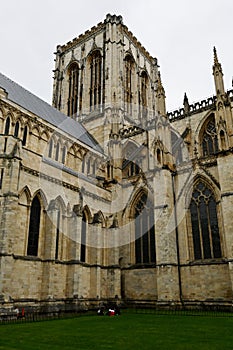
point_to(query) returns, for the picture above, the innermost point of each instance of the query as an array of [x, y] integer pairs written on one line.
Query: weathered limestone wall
[[140, 284], [206, 283]]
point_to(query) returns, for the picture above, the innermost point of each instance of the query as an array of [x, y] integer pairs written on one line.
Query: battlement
[[196, 107], [113, 19]]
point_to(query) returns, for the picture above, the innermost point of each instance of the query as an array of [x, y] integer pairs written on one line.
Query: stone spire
[[186, 103], [160, 96], [218, 75]]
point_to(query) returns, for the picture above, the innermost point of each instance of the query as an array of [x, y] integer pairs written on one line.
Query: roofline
[[102, 25]]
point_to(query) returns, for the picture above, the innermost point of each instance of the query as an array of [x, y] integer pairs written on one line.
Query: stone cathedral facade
[[107, 197]]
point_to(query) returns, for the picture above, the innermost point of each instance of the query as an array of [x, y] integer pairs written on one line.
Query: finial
[[186, 103], [215, 56], [185, 99]]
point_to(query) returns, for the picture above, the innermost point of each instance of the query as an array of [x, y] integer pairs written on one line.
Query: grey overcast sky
[[181, 34]]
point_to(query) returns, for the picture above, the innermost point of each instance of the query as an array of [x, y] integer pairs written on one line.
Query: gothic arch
[[1, 119], [144, 92], [206, 134], [25, 196], [99, 218], [73, 62], [35, 224], [60, 201], [45, 136], [223, 139], [133, 200], [93, 52], [204, 222], [17, 128], [42, 198], [201, 177], [86, 209], [142, 213], [129, 81], [94, 75], [36, 131], [7, 124], [73, 88]]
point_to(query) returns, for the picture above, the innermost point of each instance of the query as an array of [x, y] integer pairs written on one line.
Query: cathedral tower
[[103, 69]]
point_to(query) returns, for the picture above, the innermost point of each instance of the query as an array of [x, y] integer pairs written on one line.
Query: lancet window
[[144, 231], [205, 227]]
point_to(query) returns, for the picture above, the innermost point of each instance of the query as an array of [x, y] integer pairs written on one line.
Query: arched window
[[6, 132], [176, 143], [133, 169], [16, 133], [159, 157], [205, 228], [73, 90], [95, 81], [57, 151], [63, 154], [144, 231], [109, 170], [223, 139], [144, 91], [34, 227], [88, 166], [128, 83], [7, 126], [83, 238], [83, 165], [210, 139], [50, 148], [57, 233], [25, 133]]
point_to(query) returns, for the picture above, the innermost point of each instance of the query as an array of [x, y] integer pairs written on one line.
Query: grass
[[128, 331]]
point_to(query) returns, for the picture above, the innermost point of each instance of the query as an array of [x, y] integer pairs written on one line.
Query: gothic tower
[[105, 77]]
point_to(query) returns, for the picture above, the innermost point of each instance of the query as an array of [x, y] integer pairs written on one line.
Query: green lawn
[[128, 331]]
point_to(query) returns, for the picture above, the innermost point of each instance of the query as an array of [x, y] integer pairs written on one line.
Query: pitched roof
[[42, 109]]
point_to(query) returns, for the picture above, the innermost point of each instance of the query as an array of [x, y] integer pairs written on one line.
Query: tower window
[[95, 81], [144, 88], [128, 83], [205, 229], [144, 231], [73, 90]]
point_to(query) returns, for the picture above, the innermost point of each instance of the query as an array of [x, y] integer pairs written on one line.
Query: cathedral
[[107, 197]]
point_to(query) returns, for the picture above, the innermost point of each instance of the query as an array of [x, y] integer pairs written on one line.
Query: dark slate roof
[[34, 104]]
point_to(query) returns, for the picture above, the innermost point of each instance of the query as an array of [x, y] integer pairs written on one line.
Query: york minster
[[105, 196]]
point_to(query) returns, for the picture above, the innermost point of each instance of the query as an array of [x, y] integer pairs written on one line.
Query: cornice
[[49, 178]]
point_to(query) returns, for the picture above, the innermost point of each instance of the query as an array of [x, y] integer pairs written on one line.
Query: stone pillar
[[165, 236]]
